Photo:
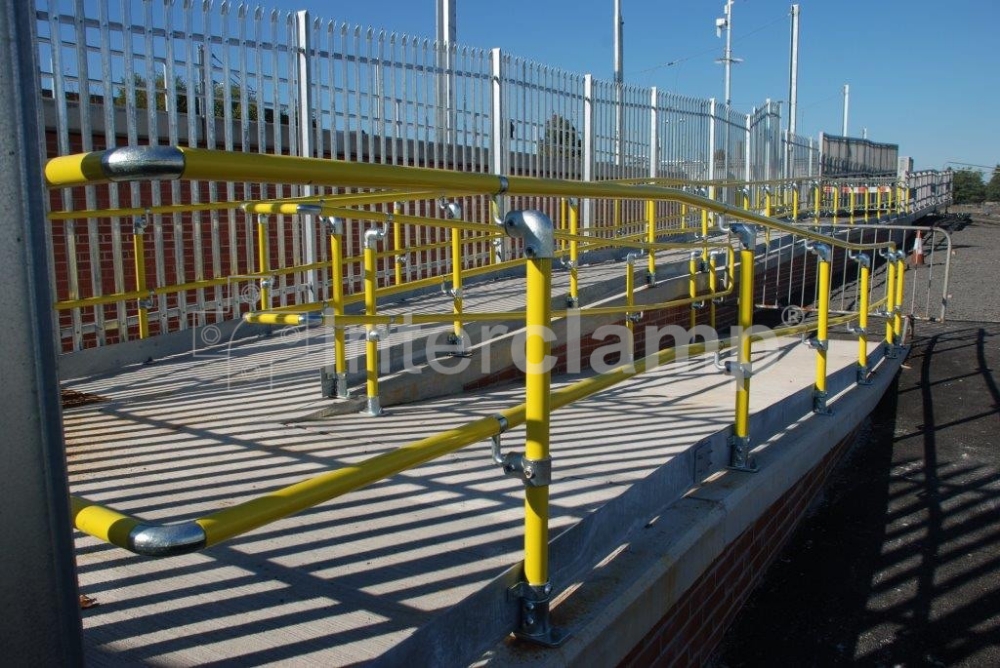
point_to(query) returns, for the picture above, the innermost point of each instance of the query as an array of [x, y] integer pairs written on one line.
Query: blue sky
[[925, 75]]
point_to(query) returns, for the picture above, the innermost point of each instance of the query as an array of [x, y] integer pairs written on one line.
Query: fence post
[[711, 141], [499, 142], [654, 163], [306, 148], [588, 147], [748, 155], [38, 575]]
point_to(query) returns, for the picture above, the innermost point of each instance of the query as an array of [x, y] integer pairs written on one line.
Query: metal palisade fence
[[244, 78]]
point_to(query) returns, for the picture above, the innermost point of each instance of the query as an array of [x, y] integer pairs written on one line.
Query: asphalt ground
[[899, 563]]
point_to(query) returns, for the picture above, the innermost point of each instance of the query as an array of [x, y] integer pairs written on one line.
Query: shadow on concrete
[[898, 564]]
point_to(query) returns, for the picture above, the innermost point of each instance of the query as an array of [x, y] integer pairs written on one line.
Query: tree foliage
[[993, 187], [560, 139], [967, 187], [140, 89], [179, 100]]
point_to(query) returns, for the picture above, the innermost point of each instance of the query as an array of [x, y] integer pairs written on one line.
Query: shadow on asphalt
[[899, 563]]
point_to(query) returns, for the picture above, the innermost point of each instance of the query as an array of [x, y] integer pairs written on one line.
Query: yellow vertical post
[[897, 318], [573, 300], [693, 265], [535, 467], [821, 342], [139, 249], [836, 202], [817, 200], [852, 203], [456, 291], [878, 201], [795, 201], [864, 283], [767, 201], [890, 204], [397, 247], [710, 259], [740, 448], [371, 238], [563, 219], [684, 216], [263, 262], [890, 298], [630, 317], [536, 446], [651, 238], [337, 299], [868, 201], [713, 281]]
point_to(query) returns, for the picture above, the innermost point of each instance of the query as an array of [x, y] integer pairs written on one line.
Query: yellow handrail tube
[[897, 318], [629, 304], [456, 284], [651, 238], [262, 260], [537, 414], [863, 286], [693, 289], [206, 164], [890, 300], [822, 326], [740, 455], [574, 253], [371, 334], [139, 248], [337, 302]]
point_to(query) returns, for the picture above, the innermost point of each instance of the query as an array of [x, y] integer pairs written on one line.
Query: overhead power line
[[742, 37]]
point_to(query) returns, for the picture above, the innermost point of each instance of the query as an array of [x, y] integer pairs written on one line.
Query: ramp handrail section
[[536, 238]]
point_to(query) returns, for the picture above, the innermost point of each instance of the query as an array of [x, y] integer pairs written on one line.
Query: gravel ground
[[899, 563], [974, 261]]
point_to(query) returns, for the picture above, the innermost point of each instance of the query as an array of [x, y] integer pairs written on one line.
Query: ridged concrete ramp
[[371, 574]]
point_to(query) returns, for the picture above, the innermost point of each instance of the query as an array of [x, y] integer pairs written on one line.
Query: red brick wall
[[690, 631]]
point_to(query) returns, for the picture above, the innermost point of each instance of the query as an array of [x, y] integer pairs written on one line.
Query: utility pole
[[847, 104], [446, 37], [727, 59], [793, 93], [619, 82]]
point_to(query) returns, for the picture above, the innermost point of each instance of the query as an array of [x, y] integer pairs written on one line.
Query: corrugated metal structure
[[851, 156]]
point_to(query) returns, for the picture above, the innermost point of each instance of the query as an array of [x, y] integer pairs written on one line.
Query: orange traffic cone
[[917, 259]]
